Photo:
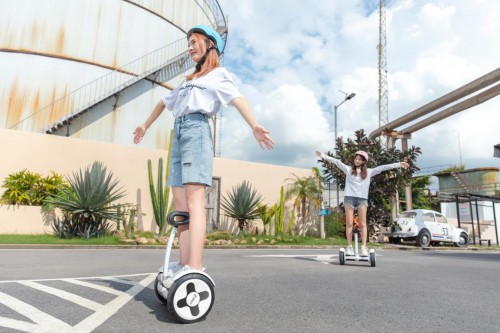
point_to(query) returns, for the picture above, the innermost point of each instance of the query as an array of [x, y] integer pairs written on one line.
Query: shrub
[[88, 204], [30, 188], [335, 225], [216, 235]]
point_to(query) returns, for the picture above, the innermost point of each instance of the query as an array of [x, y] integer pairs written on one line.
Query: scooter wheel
[[160, 290], [190, 298], [372, 259], [342, 257]]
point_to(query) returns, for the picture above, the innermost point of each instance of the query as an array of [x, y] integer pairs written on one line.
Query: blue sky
[[291, 59]]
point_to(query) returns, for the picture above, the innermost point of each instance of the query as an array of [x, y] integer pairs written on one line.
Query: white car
[[426, 227]]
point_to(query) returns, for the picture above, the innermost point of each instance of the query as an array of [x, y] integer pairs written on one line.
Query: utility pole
[[383, 99], [335, 107]]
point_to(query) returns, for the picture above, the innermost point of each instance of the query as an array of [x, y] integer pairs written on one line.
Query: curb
[[231, 247]]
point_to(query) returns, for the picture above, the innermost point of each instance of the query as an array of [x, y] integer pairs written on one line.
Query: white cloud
[[293, 59]]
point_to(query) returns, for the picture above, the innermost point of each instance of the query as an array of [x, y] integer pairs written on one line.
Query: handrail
[[96, 91]]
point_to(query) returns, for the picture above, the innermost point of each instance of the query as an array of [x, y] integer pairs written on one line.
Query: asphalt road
[[268, 290]]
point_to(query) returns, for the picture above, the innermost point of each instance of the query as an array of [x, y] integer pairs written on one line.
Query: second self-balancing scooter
[[191, 296], [343, 257]]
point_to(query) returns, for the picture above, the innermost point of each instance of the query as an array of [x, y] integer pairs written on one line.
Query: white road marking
[[45, 323], [64, 295], [93, 286], [322, 258], [99, 317]]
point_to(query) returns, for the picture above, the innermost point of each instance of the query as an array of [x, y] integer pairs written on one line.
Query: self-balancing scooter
[[191, 296], [343, 257]]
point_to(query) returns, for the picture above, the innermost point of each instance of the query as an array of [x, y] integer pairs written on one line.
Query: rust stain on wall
[[15, 105], [60, 41], [118, 31]]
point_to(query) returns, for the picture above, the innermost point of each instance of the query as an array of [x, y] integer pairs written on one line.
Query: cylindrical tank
[[482, 181], [60, 56]]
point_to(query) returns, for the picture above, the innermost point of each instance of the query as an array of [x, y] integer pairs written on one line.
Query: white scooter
[[343, 257], [191, 296]]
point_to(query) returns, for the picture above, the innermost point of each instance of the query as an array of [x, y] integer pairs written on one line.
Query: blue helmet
[[211, 34]]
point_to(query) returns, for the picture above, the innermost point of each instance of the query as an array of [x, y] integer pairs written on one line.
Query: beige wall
[[42, 153]]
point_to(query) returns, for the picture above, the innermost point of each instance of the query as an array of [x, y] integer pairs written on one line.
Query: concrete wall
[[42, 153]]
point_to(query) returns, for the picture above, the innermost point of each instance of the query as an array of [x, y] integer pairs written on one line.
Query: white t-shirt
[[355, 186], [205, 94]]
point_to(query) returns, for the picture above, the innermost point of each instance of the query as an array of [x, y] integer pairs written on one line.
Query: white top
[[205, 94], [355, 186]]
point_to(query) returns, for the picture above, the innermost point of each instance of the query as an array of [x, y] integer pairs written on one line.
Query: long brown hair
[[212, 59], [363, 167]]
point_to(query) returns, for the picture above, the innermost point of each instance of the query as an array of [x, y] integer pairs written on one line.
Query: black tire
[[463, 240], [395, 240], [192, 288], [372, 259], [424, 238], [342, 257], [158, 287]]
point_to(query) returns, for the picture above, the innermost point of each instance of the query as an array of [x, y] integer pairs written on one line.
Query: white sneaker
[[364, 251], [170, 279], [349, 251]]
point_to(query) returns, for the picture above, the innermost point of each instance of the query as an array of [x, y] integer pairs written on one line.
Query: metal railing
[[165, 62]]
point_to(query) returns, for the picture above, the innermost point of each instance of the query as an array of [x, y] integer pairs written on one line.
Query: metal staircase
[[159, 66], [461, 181]]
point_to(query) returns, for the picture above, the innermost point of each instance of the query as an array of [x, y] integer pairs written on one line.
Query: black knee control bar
[[171, 218]]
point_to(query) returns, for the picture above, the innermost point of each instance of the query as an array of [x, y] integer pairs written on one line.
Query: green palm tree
[[302, 191], [241, 203]]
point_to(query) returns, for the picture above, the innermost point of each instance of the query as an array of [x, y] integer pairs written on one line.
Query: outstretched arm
[[381, 168], [259, 132], [345, 168], [141, 129]]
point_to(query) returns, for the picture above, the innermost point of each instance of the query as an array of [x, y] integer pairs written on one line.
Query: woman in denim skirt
[[192, 103], [357, 185]]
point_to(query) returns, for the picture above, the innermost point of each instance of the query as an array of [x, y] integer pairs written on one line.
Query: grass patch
[[51, 239]]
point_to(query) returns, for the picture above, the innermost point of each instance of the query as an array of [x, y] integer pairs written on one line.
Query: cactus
[[160, 196], [279, 214]]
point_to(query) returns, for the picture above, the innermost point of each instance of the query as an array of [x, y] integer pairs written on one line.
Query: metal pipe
[[473, 86], [459, 107]]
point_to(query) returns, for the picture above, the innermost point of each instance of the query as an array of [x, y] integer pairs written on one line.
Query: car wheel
[[395, 240], [424, 238], [463, 240]]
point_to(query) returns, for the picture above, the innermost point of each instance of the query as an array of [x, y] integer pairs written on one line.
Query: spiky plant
[[241, 203], [88, 204]]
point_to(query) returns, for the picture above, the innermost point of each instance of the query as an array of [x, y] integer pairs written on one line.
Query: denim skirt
[[192, 156]]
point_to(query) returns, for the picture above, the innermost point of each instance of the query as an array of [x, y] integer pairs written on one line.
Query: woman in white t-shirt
[[357, 185], [192, 103]]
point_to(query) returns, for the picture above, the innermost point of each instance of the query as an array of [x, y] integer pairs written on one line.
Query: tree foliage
[[382, 186]]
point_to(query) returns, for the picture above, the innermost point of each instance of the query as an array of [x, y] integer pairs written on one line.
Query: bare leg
[[349, 218], [180, 204], [362, 223], [195, 195]]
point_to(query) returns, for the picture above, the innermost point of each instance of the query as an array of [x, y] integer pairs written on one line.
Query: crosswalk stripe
[[94, 286], [18, 325], [64, 295], [100, 316], [40, 322], [34, 314]]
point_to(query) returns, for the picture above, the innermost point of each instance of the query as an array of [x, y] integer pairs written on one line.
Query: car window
[[408, 214], [441, 219], [429, 217]]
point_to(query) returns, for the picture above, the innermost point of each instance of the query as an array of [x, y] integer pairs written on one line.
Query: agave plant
[[241, 203], [88, 204]]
